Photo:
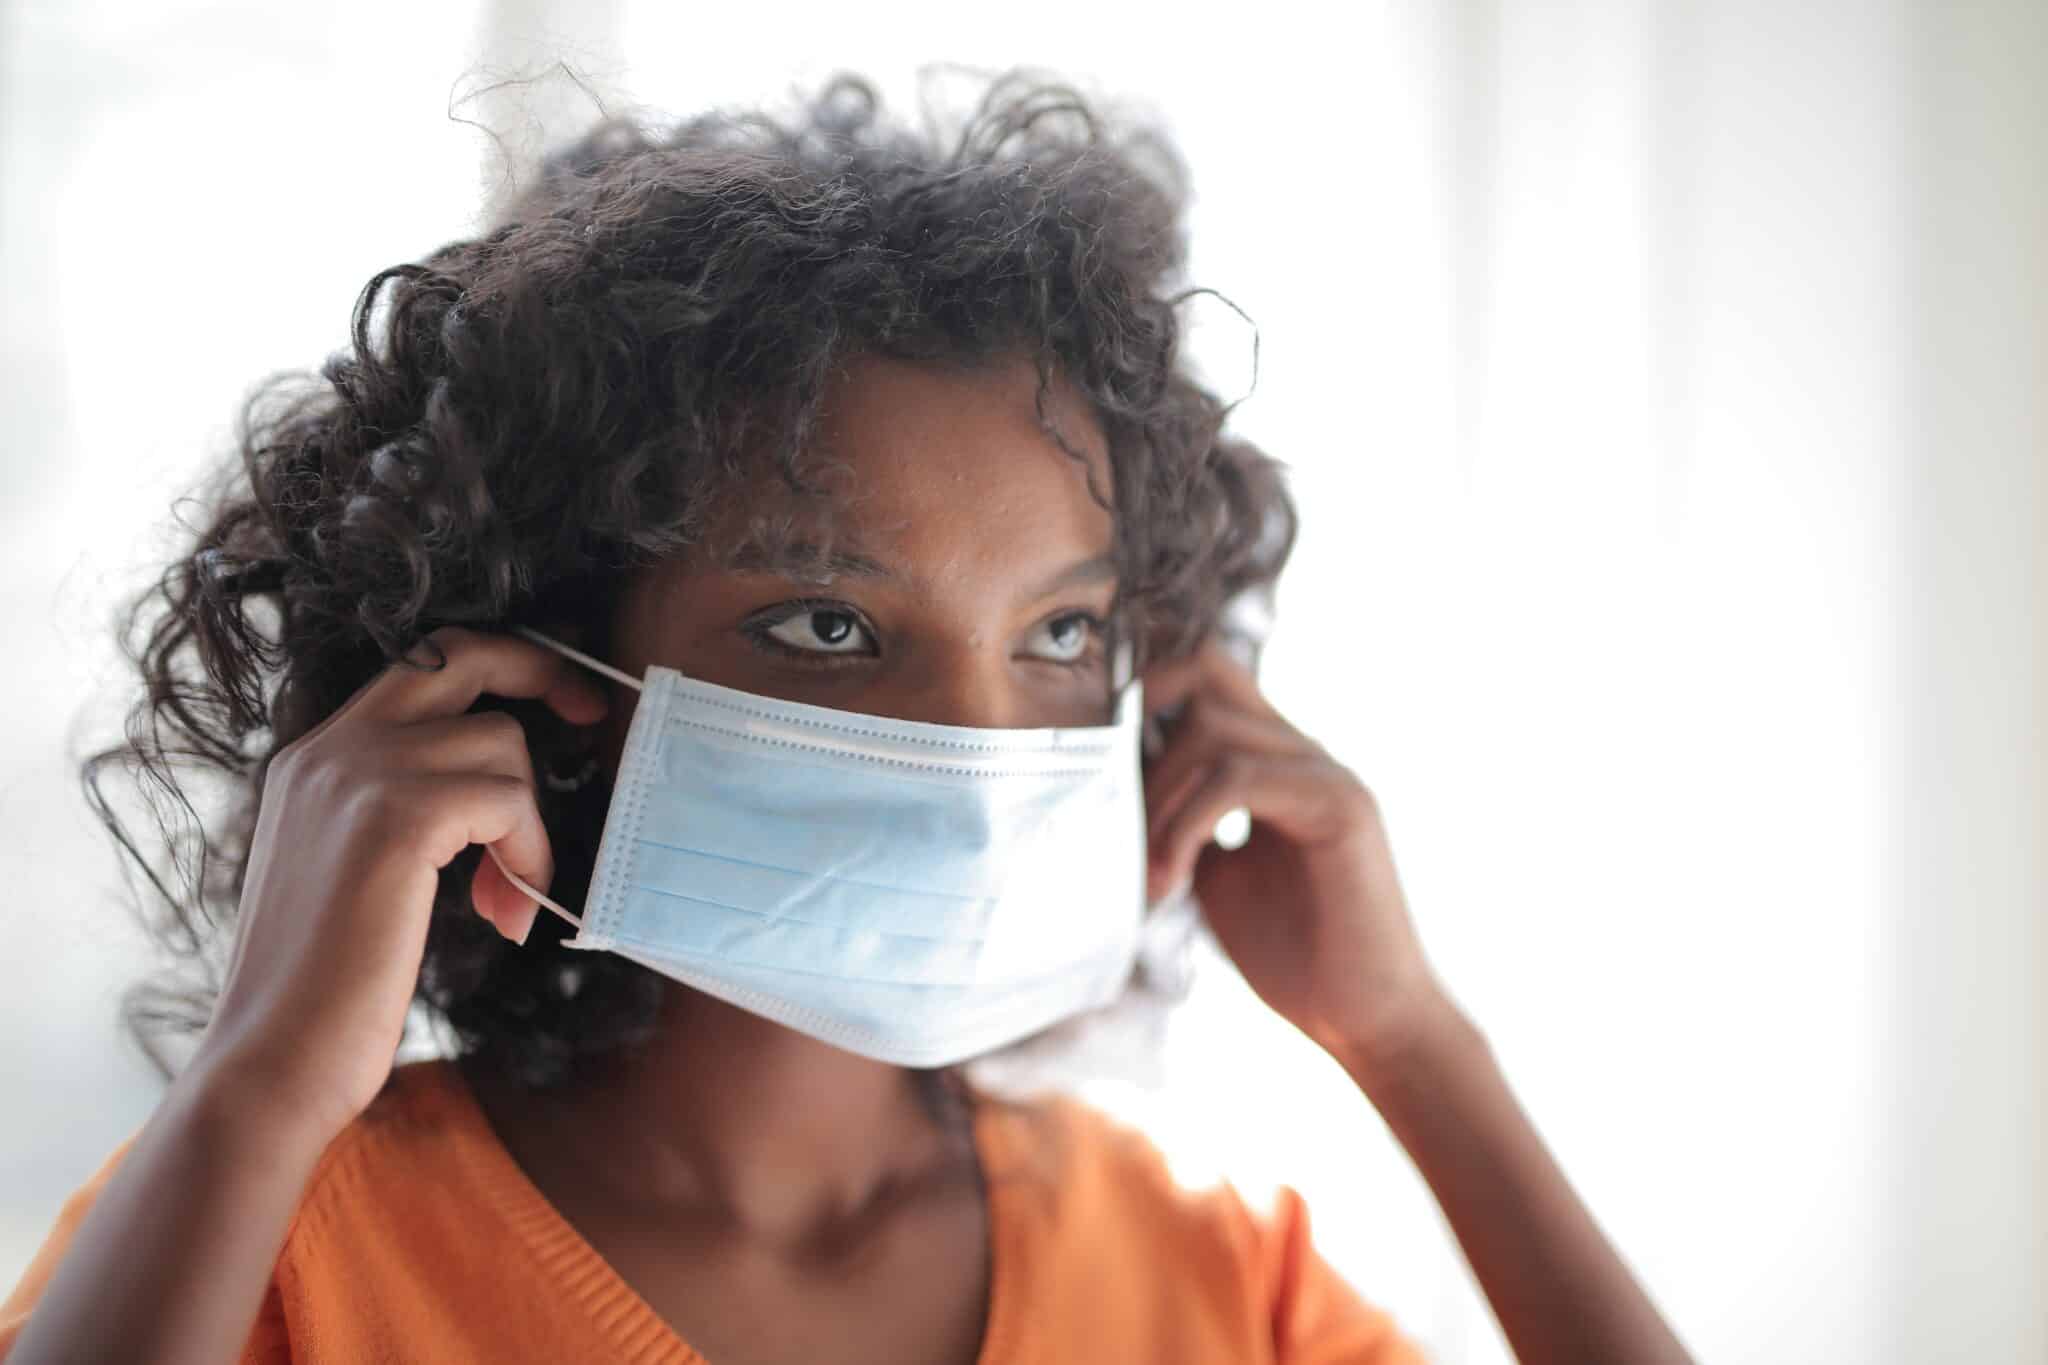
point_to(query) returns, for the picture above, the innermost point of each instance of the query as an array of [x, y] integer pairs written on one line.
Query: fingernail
[[504, 926]]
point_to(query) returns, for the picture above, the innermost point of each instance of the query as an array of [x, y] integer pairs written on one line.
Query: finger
[[1299, 795], [487, 808], [1209, 665], [498, 899], [477, 741], [1206, 729], [480, 742], [473, 663]]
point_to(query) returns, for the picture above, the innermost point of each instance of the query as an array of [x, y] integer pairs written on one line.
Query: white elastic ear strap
[[600, 666], [579, 656], [535, 892]]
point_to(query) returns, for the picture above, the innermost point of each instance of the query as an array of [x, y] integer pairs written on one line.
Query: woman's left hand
[[1309, 906]]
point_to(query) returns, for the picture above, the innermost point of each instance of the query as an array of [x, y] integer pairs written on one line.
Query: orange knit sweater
[[397, 1252]]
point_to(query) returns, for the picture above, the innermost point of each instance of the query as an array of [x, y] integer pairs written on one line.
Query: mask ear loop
[[579, 656], [539, 896], [535, 892]]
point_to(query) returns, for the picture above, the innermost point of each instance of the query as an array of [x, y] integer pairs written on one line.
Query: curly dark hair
[[527, 418]]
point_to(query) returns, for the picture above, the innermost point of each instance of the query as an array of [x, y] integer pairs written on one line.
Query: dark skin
[[809, 1209], [775, 1199]]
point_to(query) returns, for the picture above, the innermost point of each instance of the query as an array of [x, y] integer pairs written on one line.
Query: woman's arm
[[1311, 911], [357, 818], [172, 1261], [1556, 1284]]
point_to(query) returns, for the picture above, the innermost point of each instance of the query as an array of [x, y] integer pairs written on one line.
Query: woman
[[879, 446]]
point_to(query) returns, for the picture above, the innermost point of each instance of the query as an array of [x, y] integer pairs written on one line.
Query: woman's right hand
[[356, 820]]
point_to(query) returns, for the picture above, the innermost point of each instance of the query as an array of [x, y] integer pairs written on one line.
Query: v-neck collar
[[565, 1260]]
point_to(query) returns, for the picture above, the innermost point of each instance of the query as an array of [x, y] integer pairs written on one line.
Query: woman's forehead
[[915, 463], [925, 427]]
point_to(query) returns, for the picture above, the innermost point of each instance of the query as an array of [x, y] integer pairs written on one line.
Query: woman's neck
[[789, 1140]]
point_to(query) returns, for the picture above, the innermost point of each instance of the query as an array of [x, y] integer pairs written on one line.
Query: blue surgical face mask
[[912, 892]]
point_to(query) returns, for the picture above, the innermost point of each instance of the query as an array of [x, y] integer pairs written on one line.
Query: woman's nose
[[960, 691]]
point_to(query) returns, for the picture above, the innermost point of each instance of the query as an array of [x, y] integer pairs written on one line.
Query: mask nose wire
[[600, 666]]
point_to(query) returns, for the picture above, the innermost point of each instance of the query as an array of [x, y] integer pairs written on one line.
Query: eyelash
[[1096, 626], [757, 630]]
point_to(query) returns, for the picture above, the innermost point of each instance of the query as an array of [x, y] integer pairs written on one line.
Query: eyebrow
[[807, 561], [1096, 569]]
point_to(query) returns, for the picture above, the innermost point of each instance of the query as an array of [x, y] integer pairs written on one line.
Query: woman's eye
[[823, 630], [1064, 639]]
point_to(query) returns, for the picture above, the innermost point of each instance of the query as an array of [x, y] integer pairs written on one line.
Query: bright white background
[[1664, 383]]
